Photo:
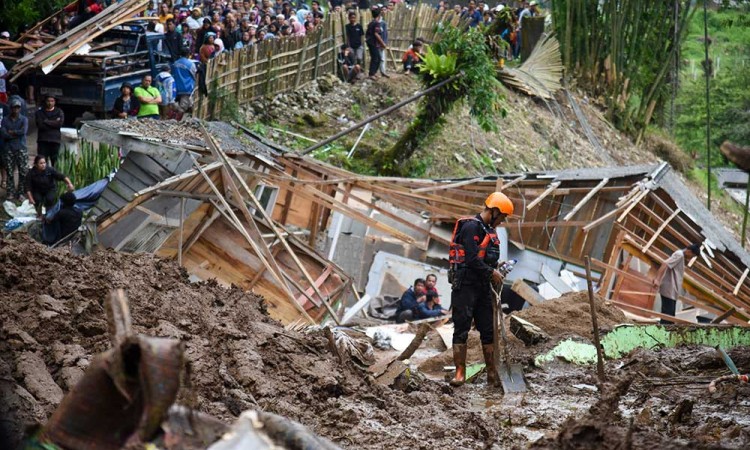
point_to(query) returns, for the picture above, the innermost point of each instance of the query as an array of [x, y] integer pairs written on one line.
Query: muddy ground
[[52, 323]]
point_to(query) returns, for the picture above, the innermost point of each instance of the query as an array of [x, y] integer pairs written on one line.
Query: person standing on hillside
[[669, 279], [374, 42], [354, 33], [13, 130], [49, 119], [474, 254], [384, 36]]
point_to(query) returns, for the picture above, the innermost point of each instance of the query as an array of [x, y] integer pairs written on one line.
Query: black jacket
[[43, 181], [135, 105], [48, 124], [470, 236], [69, 220], [173, 41]]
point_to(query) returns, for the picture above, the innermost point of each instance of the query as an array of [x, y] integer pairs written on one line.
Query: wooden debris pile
[[78, 40]]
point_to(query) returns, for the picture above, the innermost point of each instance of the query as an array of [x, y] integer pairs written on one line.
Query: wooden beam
[[440, 187], [586, 199], [510, 184], [636, 200], [742, 280], [725, 315], [605, 218], [182, 226], [526, 292], [660, 229], [539, 199], [262, 270], [650, 313]]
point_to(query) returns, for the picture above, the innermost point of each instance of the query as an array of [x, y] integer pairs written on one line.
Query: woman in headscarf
[[208, 48], [298, 30]]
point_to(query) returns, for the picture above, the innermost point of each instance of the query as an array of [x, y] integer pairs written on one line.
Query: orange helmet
[[500, 201]]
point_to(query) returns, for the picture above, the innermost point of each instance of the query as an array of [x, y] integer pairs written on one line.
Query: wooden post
[[595, 324], [300, 66], [317, 54], [182, 226]]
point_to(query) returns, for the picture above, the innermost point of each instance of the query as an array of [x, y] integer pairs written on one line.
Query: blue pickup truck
[[92, 83]]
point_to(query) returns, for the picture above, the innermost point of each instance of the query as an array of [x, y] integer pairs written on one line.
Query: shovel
[[510, 375]]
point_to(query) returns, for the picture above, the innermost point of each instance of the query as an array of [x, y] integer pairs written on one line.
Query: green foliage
[[438, 66], [357, 111], [730, 98], [92, 164], [20, 14], [335, 154], [459, 50], [621, 52]]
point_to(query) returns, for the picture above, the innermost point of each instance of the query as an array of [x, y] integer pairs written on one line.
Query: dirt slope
[[53, 323]]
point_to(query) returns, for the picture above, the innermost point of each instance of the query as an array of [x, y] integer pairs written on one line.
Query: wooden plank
[[547, 191], [725, 315], [632, 205], [586, 199], [660, 229], [440, 187], [741, 280], [526, 292], [650, 313]]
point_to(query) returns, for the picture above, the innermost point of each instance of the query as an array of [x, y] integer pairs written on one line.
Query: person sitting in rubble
[[348, 67], [431, 286], [68, 218], [430, 307], [411, 298], [412, 58]]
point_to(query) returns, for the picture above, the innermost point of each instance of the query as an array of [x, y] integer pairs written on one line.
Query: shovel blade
[[513, 381]]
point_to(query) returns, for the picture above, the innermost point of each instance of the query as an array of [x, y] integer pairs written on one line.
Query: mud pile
[[52, 322], [571, 314]]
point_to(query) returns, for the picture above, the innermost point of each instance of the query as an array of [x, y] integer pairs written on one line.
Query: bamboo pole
[[595, 325]]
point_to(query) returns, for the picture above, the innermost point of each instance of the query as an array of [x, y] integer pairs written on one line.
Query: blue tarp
[[86, 198]]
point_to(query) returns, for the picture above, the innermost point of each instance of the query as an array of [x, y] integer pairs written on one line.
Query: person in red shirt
[[84, 9], [412, 58]]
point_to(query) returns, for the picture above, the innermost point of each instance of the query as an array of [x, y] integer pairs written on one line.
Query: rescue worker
[[474, 255]]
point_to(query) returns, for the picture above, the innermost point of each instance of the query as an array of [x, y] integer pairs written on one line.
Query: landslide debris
[[52, 322]]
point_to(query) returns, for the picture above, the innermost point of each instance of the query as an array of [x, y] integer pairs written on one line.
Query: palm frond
[[540, 74]]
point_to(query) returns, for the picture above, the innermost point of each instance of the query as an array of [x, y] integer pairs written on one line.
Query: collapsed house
[[234, 207]]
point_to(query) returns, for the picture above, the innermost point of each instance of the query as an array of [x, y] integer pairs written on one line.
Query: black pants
[[472, 302], [374, 59], [49, 150], [46, 199], [668, 307]]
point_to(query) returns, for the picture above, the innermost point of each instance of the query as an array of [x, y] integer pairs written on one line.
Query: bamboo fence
[[283, 65]]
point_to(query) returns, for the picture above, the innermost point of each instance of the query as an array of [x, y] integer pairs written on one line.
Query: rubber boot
[[489, 361], [459, 359]]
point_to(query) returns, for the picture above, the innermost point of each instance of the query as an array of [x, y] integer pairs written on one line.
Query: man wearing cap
[[474, 254], [49, 119], [13, 129], [194, 22]]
